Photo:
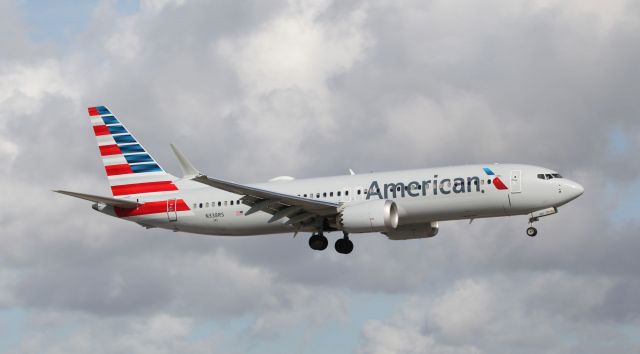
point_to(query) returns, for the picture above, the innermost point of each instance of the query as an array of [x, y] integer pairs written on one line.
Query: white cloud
[[315, 87], [463, 311], [45, 76], [157, 5], [156, 334], [124, 43], [605, 16], [296, 49]]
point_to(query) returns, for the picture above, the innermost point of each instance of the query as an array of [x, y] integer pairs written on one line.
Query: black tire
[[344, 246], [349, 246], [532, 231], [318, 242]]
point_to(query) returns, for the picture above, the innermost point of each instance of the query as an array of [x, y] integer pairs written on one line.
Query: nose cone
[[572, 190]]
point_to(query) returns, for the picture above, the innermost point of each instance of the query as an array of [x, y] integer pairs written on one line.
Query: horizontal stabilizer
[[121, 203]]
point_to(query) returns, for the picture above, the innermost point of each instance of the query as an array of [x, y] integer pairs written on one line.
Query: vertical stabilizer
[[130, 169]]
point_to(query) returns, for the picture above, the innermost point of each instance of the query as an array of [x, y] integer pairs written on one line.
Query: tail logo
[[130, 169]]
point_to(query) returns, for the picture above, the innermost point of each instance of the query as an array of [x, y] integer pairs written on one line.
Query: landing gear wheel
[[344, 245], [532, 231], [318, 242]]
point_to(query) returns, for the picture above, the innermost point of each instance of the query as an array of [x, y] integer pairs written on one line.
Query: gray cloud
[[257, 89]]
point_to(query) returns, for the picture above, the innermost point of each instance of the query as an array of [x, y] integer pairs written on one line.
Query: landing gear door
[[516, 181], [172, 215]]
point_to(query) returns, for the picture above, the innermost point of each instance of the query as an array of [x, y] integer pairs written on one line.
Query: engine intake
[[369, 216]]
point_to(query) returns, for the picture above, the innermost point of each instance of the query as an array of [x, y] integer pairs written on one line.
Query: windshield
[[549, 175]]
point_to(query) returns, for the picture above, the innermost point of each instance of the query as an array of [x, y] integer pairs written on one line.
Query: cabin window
[[358, 192], [201, 205], [317, 195], [195, 205], [207, 205], [346, 192], [232, 202], [339, 193], [488, 181], [331, 194], [305, 195], [324, 194], [225, 203], [219, 203]]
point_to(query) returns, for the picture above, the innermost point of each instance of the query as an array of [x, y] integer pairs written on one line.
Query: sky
[[250, 90]]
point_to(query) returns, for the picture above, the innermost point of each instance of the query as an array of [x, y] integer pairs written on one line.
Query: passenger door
[[516, 181]]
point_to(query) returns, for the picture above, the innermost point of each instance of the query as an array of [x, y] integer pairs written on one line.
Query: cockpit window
[[549, 175]]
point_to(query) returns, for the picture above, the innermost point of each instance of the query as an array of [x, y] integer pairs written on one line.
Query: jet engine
[[369, 216], [413, 231]]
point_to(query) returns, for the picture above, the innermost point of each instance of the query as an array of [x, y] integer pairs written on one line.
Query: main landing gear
[[344, 245], [319, 242]]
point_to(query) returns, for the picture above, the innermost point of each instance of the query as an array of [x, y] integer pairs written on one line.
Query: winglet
[[187, 168], [351, 172]]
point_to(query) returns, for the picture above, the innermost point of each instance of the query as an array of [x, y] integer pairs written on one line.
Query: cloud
[[257, 89], [527, 312]]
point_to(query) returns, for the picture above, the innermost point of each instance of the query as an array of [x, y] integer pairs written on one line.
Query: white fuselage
[[422, 196]]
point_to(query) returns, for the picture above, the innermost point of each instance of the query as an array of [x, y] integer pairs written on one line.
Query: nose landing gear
[[532, 231]]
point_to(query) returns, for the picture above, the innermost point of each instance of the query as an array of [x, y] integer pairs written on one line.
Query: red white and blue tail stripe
[[131, 170]]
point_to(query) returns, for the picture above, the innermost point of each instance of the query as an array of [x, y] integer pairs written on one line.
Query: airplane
[[401, 205]]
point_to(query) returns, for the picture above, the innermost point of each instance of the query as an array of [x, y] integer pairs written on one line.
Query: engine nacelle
[[370, 216], [409, 232]]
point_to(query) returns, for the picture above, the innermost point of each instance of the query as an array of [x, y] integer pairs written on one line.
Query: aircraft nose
[[573, 189]]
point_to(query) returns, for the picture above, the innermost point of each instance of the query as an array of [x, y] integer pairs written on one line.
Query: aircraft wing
[[279, 205]]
